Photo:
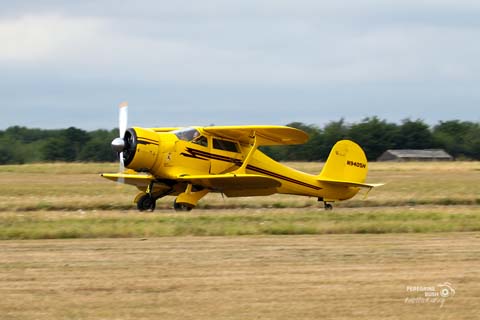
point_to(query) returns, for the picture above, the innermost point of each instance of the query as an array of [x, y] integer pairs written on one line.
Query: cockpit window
[[187, 134], [225, 145], [202, 140]]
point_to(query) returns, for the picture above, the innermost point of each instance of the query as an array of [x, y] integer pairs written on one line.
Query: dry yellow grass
[[268, 277]]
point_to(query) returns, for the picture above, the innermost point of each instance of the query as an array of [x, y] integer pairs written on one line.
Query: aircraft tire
[[146, 203], [181, 206]]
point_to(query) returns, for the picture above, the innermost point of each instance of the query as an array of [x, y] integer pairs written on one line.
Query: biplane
[[190, 162]]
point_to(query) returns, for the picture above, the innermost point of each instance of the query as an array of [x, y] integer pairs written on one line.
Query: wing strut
[[249, 155]]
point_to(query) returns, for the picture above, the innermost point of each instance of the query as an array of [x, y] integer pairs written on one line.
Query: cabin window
[[187, 134], [202, 140], [225, 145]]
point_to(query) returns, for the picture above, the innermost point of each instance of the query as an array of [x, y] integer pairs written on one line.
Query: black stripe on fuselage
[[198, 154], [279, 176]]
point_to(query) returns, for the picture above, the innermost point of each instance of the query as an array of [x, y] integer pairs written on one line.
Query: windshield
[[186, 134]]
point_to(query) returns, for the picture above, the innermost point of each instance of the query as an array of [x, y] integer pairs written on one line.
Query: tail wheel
[[182, 206], [328, 206], [146, 203]]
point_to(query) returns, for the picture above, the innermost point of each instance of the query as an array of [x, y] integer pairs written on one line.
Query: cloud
[[38, 39], [258, 43], [247, 54]]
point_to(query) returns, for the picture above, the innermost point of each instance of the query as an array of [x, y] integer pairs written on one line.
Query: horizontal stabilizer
[[352, 184]]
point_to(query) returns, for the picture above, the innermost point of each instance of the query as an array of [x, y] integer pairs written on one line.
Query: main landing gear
[[185, 201], [146, 203], [181, 206]]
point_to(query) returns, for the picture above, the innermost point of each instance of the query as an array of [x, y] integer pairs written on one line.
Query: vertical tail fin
[[346, 163]]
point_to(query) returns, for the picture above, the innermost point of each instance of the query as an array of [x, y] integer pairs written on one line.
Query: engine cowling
[[141, 149]]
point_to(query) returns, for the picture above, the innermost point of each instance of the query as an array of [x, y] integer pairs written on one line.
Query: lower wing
[[139, 180], [234, 185]]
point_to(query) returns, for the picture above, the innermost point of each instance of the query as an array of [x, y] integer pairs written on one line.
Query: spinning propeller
[[119, 144]]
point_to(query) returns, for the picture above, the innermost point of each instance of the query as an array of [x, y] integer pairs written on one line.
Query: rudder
[[347, 163]]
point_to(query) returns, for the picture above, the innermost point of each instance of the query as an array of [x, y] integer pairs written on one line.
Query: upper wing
[[235, 185], [266, 135]]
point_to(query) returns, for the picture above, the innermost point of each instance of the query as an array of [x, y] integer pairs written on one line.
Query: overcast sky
[[189, 62]]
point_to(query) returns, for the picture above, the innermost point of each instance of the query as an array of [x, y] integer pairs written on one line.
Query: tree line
[[461, 139], [24, 145]]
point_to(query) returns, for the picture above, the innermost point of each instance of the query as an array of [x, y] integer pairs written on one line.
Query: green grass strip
[[42, 226]]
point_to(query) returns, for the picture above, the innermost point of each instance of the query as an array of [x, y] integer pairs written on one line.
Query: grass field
[[74, 186], [72, 201], [74, 247]]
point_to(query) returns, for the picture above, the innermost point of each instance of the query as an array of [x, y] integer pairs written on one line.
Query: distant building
[[415, 155]]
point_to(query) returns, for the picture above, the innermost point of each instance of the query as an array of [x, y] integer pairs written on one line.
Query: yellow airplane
[[190, 162]]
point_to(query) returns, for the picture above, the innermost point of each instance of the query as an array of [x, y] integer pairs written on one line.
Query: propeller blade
[[121, 168], [123, 118], [118, 144]]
